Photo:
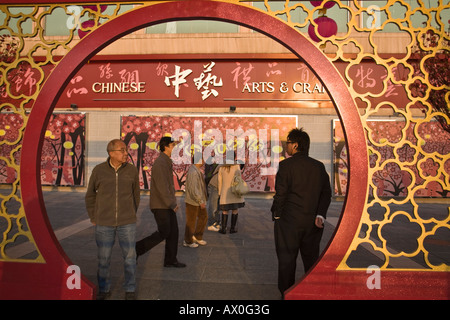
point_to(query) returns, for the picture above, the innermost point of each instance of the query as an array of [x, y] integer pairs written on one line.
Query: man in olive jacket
[[301, 201], [112, 199], [163, 204]]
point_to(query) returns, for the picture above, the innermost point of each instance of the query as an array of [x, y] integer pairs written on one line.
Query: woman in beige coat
[[228, 201]]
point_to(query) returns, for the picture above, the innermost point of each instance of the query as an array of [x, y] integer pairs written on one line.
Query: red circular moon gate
[[48, 280]]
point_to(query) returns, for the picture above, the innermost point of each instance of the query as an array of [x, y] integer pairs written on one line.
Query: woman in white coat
[[228, 200]]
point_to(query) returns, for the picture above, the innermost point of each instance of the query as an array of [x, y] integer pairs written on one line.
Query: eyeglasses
[[287, 142], [121, 150]]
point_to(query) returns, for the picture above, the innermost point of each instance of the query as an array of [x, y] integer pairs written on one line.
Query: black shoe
[[103, 295], [130, 296], [175, 265], [234, 218], [223, 227]]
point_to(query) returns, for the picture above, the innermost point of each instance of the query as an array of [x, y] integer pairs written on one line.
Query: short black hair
[[299, 136], [164, 142]]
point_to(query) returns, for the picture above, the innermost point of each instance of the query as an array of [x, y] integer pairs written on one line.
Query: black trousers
[[290, 238], [166, 220]]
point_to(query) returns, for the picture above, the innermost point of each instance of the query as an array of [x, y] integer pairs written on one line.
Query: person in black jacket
[[300, 205]]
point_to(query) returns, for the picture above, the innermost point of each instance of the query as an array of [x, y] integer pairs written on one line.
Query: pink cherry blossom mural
[[62, 162], [261, 138]]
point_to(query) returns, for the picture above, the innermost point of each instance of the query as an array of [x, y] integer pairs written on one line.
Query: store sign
[[194, 83], [125, 87], [207, 83]]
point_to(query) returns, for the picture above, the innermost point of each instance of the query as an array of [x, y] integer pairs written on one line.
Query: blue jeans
[[213, 206], [105, 238]]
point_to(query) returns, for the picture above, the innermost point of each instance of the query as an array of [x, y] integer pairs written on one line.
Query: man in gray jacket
[[112, 199], [163, 204]]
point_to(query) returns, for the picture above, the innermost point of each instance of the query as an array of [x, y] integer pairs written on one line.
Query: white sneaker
[[214, 227], [190, 245], [200, 242]]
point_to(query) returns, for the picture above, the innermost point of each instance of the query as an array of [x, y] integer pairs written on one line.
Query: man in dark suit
[[301, 201]]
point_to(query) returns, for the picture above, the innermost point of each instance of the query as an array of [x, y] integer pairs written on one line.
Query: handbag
[[238, 186]]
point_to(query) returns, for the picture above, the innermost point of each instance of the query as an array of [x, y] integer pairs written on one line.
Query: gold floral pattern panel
[[27, 55]]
